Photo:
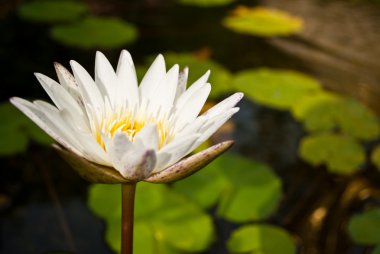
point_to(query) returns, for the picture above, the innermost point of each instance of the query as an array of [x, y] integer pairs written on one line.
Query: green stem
[[127, 204]]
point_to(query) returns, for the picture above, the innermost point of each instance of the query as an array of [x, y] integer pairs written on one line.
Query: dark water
[[43, 203]]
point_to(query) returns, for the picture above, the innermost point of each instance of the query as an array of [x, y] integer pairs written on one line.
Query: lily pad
[[376, 250], [327, 111], [52, 11], [206, 3], [341, 154], [95, 32], [280, 89], [262, 21], [261, 239], [375, 156], [198, 63], [243, 190], [165, 221], [16, 131], [365, 228]]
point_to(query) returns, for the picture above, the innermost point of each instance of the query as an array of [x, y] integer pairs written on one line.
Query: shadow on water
[[43, 203]]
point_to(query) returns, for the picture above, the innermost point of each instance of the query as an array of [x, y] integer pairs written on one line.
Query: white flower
[[138, 130]]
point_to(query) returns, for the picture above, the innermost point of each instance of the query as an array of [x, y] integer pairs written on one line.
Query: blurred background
[[303, 175]]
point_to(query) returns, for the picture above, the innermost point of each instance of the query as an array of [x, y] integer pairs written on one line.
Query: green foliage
[[375, 156], [165, 221], [206, 3], [365, 228], [262, 21], [376, 250], [16, 130], [245, 190], [95, 32], [52, 11], [279, 89], [326, 111], [341, 154], [220, 78], [261, 239]]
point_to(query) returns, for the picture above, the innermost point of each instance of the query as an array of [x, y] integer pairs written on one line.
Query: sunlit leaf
[[365, 228], [52, 11], [327, 111], [12, 141], [341, 155], [245, 190], [206, 3], [165, 221], [261, 239], [95, 32], [279, 89], [220, 78], [375, 157], [262, 21]]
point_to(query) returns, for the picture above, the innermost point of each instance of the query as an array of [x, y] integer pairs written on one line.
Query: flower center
[[130, 126]]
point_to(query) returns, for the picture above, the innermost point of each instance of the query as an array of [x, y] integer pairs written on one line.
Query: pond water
[[43, 203]]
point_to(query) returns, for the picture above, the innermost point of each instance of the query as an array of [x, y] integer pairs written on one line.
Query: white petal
[[117, 147], [128, 86], [105, 77], [152, 77], [88, 89], [177, 149], [224, 105], [182, 82], [165, 92], [148, 135], [38, 117], [191, 108]]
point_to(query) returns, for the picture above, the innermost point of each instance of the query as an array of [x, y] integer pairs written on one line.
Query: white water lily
[[139, 130]]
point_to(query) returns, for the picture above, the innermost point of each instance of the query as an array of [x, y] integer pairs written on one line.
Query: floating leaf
[[262, 21], [206, 3], [375, 157], [327, 111], [376, 250], [279, 89], [52, 11], [365, 228], [220, 78], [261, 239], [16, 130], [245, 190], [94, 32], [341, 155], [165, 221]]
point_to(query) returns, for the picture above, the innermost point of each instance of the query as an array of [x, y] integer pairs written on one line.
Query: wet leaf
[[327, 111], [206, 3], [52, 11], [243, 190], [279, 89], [365, 228], [341, 154], [261, 239], [375, 156], [220, 78], [165, 221], [262, 21], [95, 32]]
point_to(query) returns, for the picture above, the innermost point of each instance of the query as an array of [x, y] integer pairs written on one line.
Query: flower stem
[[127, 204]]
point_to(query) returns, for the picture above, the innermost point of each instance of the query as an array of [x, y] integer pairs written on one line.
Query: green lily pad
[[95, 32], [261, 21], [220, 78], [205, 3], [279, 89], [327, 111], [52, 11], [365, 228], [261, 239], [16, 131], [244, 190], [375, 157], [341, 154], [376, 250], [165, 221]]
